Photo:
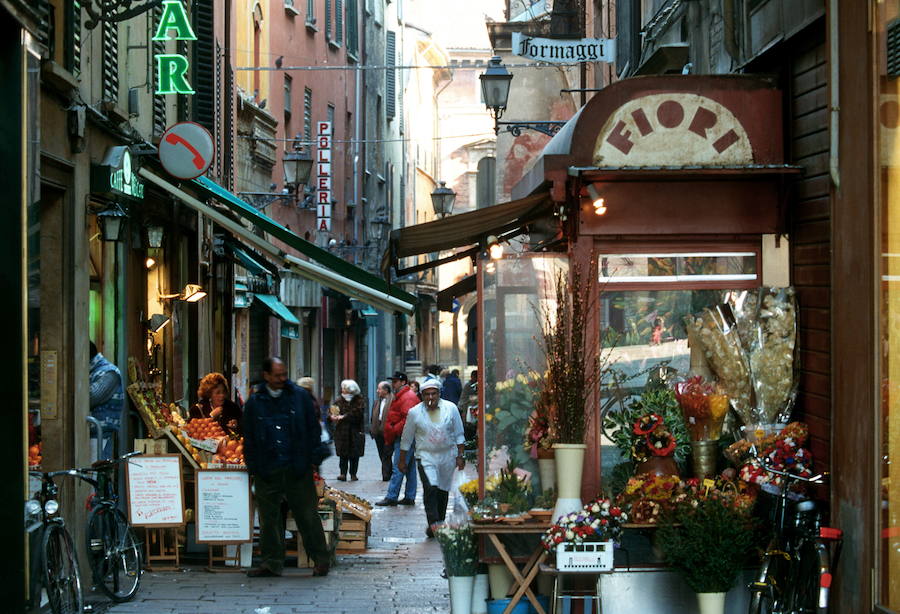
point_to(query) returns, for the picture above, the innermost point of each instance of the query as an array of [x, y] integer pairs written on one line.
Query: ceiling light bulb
[[598, 202], [496, 251], [150, 262]]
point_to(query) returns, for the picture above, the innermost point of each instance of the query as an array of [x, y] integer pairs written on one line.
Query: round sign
[[186, 150]]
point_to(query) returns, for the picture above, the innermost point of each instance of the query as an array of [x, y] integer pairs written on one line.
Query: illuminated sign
[[115, 175], [171, 68], [323, 177]]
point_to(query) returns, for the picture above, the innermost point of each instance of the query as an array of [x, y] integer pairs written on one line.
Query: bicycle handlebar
[[102, 465]]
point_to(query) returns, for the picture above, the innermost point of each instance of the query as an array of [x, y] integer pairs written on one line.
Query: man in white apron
[[435, 426]]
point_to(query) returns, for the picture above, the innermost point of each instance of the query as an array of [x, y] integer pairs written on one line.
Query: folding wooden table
[[523, 577]]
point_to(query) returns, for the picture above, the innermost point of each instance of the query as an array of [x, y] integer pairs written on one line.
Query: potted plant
[[458, 546], [707, 537], [572, 370]]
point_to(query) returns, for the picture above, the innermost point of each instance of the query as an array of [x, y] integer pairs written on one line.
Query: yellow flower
[[488, 417]]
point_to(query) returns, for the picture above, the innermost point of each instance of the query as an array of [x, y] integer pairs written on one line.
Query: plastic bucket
[[496, 606], [544, 600]]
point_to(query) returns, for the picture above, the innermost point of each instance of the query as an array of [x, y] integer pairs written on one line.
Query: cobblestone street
[[399, 574]]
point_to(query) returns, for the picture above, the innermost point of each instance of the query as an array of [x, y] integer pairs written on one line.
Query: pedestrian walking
[[437, 429], [281, 437], [384, 395], [451, 389], [107, 399], [404, 400], [347, 415]]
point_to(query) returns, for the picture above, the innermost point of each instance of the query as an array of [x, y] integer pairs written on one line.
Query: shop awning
[[464, 286], [247, 261], [464, 229], [328, 270], [278, 309]]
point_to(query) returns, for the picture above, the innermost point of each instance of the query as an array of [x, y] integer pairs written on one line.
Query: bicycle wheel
[[60, 570], [811, 580], [766, 593], [115, 557]]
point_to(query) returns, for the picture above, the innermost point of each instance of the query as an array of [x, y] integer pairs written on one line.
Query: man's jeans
[[393, 491]]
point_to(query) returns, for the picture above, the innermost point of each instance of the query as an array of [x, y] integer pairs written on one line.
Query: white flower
[[595, 508], [606, 505], [570, 535]]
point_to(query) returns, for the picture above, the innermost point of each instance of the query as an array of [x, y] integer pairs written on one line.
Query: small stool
[[563, 603]]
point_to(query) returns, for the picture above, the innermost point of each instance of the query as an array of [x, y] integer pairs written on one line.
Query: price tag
[[708, 483]]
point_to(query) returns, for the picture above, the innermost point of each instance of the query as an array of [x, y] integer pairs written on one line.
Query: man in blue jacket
[[281, 432]]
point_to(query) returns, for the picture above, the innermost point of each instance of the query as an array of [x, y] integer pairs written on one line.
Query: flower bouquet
[[653, 446], [648, 496], [703, 408], [458, 547], [771, 352], [598, 521], [785, 454], [540, 434], [652, 406]]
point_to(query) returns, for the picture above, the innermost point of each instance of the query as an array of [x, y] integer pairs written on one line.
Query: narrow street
[[399, 574]]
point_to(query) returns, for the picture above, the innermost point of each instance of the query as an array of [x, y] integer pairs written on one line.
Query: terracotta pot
[[658, 465]]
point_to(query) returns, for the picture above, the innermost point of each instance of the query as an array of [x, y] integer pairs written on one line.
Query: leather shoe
[[387, 502], [261, 572], [342, 478], [406, 501], [429, 533], [320, 570]]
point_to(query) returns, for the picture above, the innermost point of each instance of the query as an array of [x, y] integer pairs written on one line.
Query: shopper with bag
[[347, 417], [437, 430]]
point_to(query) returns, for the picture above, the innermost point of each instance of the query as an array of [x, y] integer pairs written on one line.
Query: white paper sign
[[155, 498], [564, 51], [223, 507]]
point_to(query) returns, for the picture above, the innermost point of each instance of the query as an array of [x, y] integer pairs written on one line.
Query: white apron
[[436, 450]]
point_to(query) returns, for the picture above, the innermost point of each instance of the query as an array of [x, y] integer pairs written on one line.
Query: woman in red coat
[[347, 417]]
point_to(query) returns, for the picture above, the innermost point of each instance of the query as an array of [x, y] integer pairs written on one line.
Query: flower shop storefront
[[656, 349]]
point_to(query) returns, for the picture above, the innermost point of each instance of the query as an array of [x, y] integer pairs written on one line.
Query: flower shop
[[640, 368]]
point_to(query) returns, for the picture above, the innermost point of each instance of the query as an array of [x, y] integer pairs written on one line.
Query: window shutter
[[352, 26], [110, 62], [73, 37], [328, 20], [307, 116], [390, 86], [628, 45], [893, 48], [338, 21], [204, 82]]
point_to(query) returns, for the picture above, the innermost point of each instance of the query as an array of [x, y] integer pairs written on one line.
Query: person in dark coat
[[347, 415], [452, 388], [213, 402], [281, 436]]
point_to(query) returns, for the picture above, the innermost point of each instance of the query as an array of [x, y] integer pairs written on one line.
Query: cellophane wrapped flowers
[[772, 354], [458, 547], [716, 331], [598, 521], [703, 407], [785, 453]]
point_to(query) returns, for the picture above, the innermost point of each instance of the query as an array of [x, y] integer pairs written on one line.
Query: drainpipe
[[834, 107]]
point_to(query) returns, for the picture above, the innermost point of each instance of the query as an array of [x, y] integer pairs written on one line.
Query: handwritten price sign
[[155, 497], [223, 507]]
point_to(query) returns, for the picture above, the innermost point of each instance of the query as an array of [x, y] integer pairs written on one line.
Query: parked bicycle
[[53, 561], [796, 572], [113, 551]]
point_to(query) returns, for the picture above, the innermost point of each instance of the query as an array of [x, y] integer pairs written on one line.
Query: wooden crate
[[151, 447], [351, 546]]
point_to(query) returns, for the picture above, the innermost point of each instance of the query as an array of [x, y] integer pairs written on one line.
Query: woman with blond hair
[[347, 417], [213, 402]]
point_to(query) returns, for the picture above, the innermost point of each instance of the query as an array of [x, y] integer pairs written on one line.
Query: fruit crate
[[586, 557]]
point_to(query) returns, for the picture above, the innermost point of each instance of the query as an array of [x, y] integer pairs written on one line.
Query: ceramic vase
[[569, 466], [461, 594], [500, 580], [711, 603], [657, 465], [480, 594], [547, 472]]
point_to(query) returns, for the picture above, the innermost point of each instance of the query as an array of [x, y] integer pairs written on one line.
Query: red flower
[[615, 512], [646, 424]]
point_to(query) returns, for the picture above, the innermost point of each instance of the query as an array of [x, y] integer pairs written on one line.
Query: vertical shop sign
[[171, 68], [323, 177]]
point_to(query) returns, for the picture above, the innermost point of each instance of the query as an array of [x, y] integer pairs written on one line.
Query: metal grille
[[110, 62], [893, 48], [204, 82]]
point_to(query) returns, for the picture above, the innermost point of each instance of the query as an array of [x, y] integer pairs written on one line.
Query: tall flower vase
[[711, 603], [461, 594], [480, 594], [547, 468], [569, 466]]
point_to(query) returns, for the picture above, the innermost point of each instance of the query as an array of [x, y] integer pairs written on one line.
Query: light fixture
[[191, 294], [442, 200], [494, 248], [597, 201], [157, 322], [111, 222], [150, 262], [155, 235], [495, 82], [297, 168]]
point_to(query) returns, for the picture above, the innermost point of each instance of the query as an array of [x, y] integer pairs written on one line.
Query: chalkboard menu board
[[155, 498], [223, 508]]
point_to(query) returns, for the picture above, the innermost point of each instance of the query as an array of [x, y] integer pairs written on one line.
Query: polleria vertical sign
[[171, 68], [323, 176]]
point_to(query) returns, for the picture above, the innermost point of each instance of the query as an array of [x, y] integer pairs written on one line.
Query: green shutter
[[390, 85]]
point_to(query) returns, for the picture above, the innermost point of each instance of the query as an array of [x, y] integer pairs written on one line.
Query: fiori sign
[[561, 51], [171, 68], [672, 130], [323, 176]]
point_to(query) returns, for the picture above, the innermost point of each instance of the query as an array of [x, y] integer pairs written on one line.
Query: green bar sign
[[171, 68]]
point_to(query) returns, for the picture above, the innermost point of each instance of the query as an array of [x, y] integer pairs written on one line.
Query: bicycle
[[114, 554], [55, 568], [796, 571]]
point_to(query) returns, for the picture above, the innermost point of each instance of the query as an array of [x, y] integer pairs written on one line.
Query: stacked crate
[[355, 524]]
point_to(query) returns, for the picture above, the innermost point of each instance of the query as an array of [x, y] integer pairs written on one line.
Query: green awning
[[317, 255], [247, 261], [278, 309]]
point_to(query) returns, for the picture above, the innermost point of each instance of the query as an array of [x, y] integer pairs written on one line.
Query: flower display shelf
[[584, 557]]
